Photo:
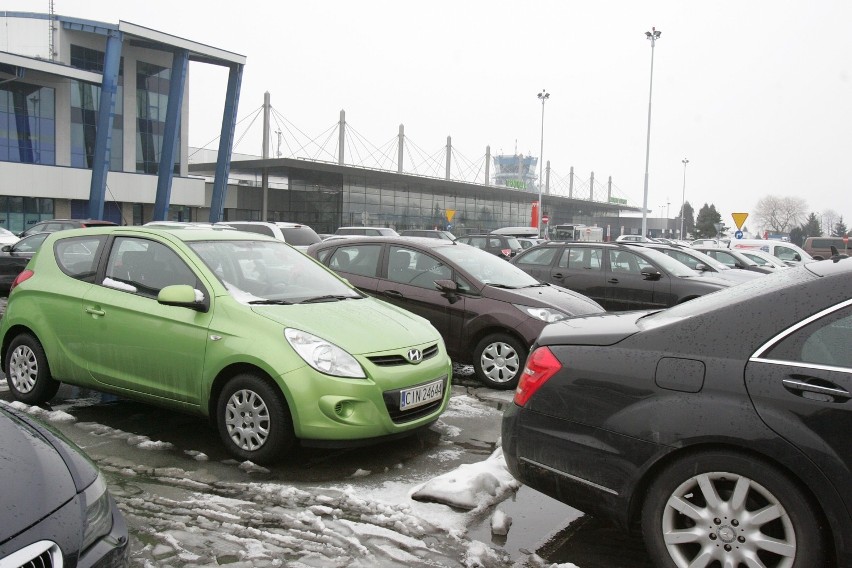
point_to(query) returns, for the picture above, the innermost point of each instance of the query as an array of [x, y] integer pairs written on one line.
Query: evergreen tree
[[797, 235], [705, 223], [811, 228], [840, 229]]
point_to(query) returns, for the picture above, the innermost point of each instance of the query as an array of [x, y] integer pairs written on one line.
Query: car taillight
[[541, 365], [24, 275], [506, 252]]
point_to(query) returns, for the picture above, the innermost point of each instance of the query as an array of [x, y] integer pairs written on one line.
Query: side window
[[540, 257], [422, 270], [686, 259], [785, 253], [78, 256], [358, 259], [495, 243], [586, 258], [725, 259], [624, 262], [822, 342], [463, 285], [145, 267], [478, 242]]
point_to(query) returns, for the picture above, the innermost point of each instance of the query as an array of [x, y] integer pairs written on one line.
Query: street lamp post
[[542, 96], [653, 35], [683, 198]]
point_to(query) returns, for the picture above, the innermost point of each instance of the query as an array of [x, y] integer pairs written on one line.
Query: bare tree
[[829, 219], [781, 214]]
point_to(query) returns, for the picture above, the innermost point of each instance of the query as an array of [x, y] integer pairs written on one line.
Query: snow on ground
[[190, 516]]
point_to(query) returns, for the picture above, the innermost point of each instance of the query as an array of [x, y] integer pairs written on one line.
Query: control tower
[[516, 171]]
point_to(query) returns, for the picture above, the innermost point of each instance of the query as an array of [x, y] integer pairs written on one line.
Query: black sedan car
[[720, 426], [13, 258], [55, 509], [617, 276], [488, 311]]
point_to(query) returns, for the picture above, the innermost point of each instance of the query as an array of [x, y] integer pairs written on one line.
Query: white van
[[788, 252]]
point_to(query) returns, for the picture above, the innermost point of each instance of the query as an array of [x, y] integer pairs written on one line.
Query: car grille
[[43, 554], [398, 416], [394, 360]]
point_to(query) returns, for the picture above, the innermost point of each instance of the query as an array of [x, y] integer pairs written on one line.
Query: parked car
[[7, 237], [54, 225], [235, 326], [527, 242], [820, 247], [618, 276], [487, 310], [56, 509], [704, 264], [367, 231], [788, 252], [297, 235], [765, 259], [733, 258], [709, 243], [428, 233], [14, 258], [504, 246], [632, 239], [720, 426]]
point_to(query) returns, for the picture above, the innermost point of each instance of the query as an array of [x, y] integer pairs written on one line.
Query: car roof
[[180, 233], [400, 240]]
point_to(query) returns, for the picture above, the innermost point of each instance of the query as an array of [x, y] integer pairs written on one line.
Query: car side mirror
[[447, 286], [183, 295], [701, 267], [6, 248], [797, 257], [651, 275]]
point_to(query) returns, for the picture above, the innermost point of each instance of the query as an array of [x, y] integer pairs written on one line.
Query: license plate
[[418, 396]]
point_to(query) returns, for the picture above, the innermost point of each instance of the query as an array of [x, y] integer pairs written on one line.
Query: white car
[[632, 239], [7, 237]]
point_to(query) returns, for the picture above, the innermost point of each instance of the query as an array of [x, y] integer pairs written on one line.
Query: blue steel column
[[226, 141], [170, 135], [106, 113]]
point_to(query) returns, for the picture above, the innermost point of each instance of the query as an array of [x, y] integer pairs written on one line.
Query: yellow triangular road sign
[[739, 219]]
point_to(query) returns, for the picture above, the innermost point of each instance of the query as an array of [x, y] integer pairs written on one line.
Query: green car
[[266, 342]]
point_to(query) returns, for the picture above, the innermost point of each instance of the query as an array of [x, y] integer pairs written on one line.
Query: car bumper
[[332, 409]]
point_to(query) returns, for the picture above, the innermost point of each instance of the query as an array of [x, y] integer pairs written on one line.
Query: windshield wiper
[[539, 285], [267, 302], [504, 286], [328, 298]]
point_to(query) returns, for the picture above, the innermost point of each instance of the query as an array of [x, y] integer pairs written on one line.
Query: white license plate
[[418, 396]]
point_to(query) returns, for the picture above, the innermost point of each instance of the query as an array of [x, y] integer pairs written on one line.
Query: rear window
[[300, 236]]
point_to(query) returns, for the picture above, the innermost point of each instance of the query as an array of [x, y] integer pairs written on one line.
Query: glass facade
[[27, 123], [85, 102], [327, 201], [20, 213], [152, 100]]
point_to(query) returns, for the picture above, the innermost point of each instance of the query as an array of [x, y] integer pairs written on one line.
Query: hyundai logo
[[415, 355]]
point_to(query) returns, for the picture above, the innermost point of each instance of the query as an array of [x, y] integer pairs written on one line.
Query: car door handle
[[613, 280], [95, 312], [559, 275], [393, 293], [803, 387]]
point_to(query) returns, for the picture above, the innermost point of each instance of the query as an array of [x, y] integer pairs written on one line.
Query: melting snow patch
[[196, 455], [471, 486], [446, 429], [468, 406], [251, 467], [500, 523], [536, 561], [47, 415], [360, 473], [480, 555]]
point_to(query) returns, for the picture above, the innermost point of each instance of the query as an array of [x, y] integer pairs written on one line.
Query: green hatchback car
[[270, 345]]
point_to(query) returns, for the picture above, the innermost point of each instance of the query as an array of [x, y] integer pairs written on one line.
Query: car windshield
[[300, 236], [488, 268], [259, 272]]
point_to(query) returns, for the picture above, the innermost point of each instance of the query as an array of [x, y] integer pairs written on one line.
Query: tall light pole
[[653, 35], [683, 198], [543, 96]]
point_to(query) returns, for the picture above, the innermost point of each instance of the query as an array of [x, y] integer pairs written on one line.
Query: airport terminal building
[[53, 164]]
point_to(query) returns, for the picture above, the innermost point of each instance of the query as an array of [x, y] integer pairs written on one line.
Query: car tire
[[707, 505], [254, 421], [499, 360], [28, 374]]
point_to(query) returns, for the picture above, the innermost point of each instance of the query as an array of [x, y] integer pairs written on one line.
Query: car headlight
[[548, 315], [324, 356], [98, 520]]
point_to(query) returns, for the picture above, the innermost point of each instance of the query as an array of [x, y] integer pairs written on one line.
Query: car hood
[[35, 478], [548, 295], [603, 329], [359, 326]]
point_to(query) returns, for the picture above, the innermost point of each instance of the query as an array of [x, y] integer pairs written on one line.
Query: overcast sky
[[757, 95]]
